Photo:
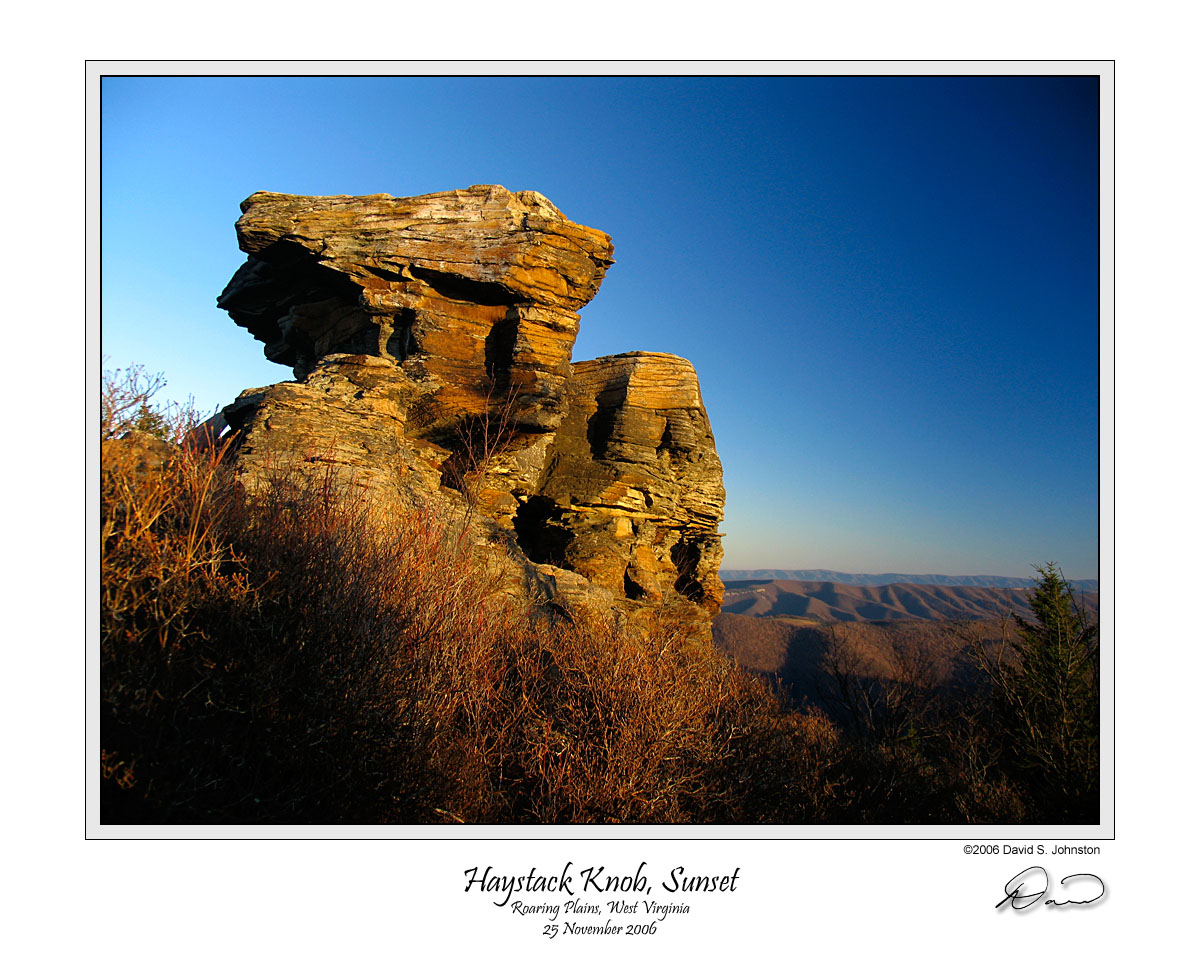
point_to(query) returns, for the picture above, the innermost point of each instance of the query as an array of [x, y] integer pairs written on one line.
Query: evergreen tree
[[1048, 700]]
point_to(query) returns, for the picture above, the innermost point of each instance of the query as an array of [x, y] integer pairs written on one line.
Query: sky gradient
[[888, 286]]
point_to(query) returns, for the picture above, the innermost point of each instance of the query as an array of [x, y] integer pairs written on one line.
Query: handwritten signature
[[1029, 887]]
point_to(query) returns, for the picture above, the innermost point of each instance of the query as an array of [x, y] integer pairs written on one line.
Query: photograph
[[671, 450]]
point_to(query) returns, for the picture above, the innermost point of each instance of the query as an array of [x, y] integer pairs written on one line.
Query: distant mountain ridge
[[894, 578], [829, 602]]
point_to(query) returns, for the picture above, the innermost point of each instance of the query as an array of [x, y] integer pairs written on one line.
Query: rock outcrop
[[431, 341]]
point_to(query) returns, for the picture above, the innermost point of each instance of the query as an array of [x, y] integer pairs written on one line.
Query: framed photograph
[[612, 510]]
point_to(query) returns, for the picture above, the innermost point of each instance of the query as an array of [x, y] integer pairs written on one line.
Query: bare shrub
[[625, 727], [478, 441], [127, 402]]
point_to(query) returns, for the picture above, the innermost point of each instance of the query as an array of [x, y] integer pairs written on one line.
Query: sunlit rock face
[[632, 495], [431, 341]]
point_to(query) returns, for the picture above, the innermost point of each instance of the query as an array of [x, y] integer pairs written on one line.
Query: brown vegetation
[[988, 721], [296, 656]]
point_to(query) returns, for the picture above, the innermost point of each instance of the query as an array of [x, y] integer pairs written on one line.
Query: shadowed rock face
[[431, 340]]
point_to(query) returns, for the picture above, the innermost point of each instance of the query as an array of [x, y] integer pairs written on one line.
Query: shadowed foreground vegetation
[[295, 657]]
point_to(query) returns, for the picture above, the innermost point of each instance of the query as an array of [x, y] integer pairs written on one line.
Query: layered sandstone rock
[[481, 287], [431, 341], [632, 494]]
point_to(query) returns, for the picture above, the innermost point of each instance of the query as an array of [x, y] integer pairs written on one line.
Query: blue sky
[[888, 286]]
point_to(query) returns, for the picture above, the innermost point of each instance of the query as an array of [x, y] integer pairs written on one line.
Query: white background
[[380, 905]]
